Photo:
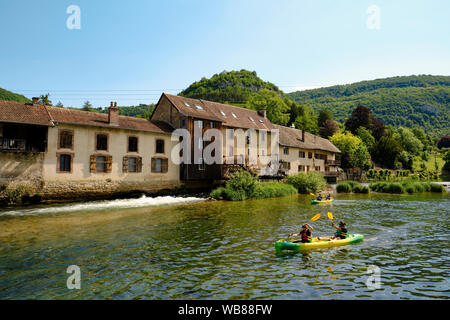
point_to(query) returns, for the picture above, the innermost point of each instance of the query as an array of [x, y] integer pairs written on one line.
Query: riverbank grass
[[406, 187], [310, 182], [351, 186]]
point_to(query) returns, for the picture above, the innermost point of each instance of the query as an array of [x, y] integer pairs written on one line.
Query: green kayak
[[323, 242]]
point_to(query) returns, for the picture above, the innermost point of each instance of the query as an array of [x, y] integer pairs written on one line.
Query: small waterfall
[[143, 201]]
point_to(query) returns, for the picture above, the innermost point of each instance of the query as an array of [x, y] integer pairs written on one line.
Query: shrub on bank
[[406, 186], [242, 185], [360, 189], [310, 182], [343, 187]]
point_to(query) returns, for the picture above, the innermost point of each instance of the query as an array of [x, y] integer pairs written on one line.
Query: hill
[[11, 96], [232, 87], [411, 101]]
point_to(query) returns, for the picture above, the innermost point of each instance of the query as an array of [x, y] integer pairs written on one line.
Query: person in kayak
[[305, 233], [328, 197], [319, 197], [341, 231]]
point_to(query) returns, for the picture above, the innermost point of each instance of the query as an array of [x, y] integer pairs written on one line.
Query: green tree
[[367, 138], [59, 105], [329, 128], [276, 107], [387, 149], [87, 106], [324, 115], [406, 138], [45, 99], [354, 153]]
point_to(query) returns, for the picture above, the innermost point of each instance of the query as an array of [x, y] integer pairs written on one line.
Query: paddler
[[341, 231], [305, 233]]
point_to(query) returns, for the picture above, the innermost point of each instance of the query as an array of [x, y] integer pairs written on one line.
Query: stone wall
[[85, 189], [21, 170]]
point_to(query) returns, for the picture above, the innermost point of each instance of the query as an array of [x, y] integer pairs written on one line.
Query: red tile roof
[[44, 115]]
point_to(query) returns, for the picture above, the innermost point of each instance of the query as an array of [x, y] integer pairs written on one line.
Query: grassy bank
[[351, 186], [406, 187]]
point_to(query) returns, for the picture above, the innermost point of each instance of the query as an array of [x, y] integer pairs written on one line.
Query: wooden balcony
[[333, 162]]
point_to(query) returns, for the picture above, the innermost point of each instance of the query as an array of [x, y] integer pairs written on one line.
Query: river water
[[189, 248]]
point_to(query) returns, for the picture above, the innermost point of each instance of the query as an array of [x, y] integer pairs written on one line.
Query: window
[[223, 113], [187, 104], [251, 119], [102, 142], [100, 164], [64, 163], [230, 151], [211, 124], [234, 115], [159, 146], [183, 123], [317, 168], [230, 133], [132, 144], [301, 154], [301, 168], [286, 150], [310, 155], [66, 139], [261, 121], [160, 165], [132, 164], [199, 107]]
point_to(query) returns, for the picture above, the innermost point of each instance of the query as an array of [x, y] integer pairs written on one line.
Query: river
[[189, 248]]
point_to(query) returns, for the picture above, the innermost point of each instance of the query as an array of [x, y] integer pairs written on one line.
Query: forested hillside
[[412, 101], [11, 96]]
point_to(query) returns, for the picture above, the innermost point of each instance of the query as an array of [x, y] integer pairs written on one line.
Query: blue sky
[[131, 51]]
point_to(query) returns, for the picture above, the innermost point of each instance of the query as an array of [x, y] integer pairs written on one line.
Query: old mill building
[[70, 153]]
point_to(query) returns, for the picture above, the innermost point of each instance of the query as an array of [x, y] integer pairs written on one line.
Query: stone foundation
[[21, 170]]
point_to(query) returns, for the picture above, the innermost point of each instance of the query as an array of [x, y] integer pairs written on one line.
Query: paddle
[[316, 217], [330, 215]]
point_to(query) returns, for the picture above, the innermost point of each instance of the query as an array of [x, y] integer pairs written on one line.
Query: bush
[[435, 187], [343, 187], [310, 182], [394, 188], [360, 189], [242, 185], [272, 189]]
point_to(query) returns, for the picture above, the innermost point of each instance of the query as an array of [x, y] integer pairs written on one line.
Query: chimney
[[35, 101], [293, 126], [113, 114], [262, 113], [303, 135]]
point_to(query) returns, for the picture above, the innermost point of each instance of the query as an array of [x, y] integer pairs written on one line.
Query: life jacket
[[341, 233], [305, 235]]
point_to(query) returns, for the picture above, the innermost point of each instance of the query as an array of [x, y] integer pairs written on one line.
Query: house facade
[[67, 153]]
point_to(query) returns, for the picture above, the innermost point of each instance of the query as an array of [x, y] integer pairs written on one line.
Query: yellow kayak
[[321, 201], [324, 242]]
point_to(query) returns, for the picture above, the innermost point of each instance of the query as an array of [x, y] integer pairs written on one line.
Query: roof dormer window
[[234, 115], [223, 113], [251, 119], [187, 104], [199, 107]]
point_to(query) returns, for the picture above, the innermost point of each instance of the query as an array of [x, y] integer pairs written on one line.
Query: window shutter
[[153, 164], [289, 165], [93, 164], [125, 164], [108, 164], [138, 164], [164, 165]]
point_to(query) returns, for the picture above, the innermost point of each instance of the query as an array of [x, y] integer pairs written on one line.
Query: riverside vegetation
[[407, 186], [242, 185]]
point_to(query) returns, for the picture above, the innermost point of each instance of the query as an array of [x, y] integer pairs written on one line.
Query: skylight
[[261, 121], [223, 113], [187, 104], [251, 119], [234, 115], [199, 107]]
